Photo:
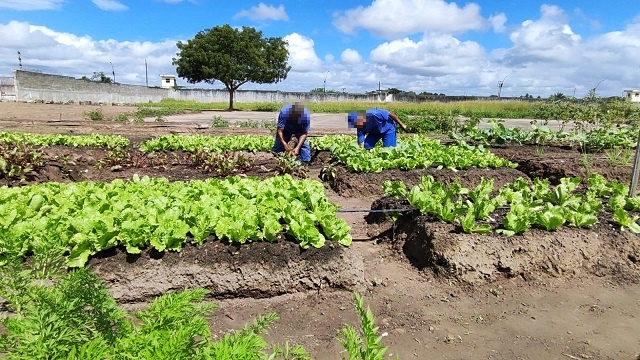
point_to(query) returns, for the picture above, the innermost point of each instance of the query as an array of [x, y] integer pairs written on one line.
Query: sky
[[533, 47]]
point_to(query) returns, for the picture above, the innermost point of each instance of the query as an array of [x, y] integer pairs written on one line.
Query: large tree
[[233, 57]]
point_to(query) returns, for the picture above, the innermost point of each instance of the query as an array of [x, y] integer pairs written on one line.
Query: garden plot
[[407, 275]]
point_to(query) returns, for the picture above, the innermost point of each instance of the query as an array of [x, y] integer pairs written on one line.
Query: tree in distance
[[98, 76], [233, 57]]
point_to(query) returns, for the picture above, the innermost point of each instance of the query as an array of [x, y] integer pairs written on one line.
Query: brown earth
[[436, 293]]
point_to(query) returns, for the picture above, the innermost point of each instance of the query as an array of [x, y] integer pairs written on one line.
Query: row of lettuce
[[412, 152], [527, 205], [88, 217]]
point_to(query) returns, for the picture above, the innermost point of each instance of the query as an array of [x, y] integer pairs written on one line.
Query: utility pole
[[324, 87], [500, 83], [379, 91], [19, 60], [113, 72], [146, 73]]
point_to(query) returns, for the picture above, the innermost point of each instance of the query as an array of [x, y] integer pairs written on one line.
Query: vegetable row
[[411, 152], [529, 205], [87, 217]]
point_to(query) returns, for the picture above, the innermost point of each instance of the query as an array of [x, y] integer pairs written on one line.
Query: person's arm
[[397, 120], [280, 133], [301, 140], [361, 136], [282, 121]]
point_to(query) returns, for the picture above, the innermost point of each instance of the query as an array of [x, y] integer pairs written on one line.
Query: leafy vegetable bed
[[90, 217], [537, 205], [411, 152], [108, 141]]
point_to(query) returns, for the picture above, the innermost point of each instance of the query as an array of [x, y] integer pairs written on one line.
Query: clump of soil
[[257, 270], [429, 244]]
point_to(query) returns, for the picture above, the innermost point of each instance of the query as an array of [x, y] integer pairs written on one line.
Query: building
[[168, 81], [633, 95]]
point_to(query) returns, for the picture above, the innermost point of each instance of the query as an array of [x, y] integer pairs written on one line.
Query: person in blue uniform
[[374, 125], [293, 120]]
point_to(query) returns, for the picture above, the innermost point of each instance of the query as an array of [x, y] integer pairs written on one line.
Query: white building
[[633, 95], [168, 81]]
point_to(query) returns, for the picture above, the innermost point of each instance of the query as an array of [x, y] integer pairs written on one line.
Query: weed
[[219, 122], [95, 115], [619, 156], [160, 118], [539, 151]]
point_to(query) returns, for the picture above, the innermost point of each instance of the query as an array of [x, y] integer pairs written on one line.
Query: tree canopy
[[233, 57]]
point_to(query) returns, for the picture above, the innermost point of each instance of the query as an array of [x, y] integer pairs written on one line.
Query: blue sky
[[451, 47]]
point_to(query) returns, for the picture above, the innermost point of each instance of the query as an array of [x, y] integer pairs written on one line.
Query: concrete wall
[[253, 96], [7, 88], [32, 86]]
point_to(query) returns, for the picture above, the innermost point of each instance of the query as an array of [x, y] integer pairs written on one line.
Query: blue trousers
[[305, 149], [388, 139]]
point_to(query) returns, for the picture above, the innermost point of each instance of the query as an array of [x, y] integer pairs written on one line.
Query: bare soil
[[435, 292]]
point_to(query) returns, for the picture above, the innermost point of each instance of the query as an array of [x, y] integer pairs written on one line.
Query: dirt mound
[[367, 184], [554, 163], [567, 252], [257, 270]]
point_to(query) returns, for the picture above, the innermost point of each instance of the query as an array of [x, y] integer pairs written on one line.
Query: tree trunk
[[231, 91]]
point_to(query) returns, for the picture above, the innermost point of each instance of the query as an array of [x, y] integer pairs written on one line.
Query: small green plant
[[289, 164], [160, 118], [619, 156], [121, 118], [254, 124], [18, 160], [539, 151], [368, 345], [269, 124], [138, 118], [224, 163], [219, 122], [95, 115], [328, 173]]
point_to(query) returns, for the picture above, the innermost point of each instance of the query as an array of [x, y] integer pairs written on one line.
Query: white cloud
[[395, 18], [302, 55], [434, 55], [31, 4], [263, 12], [72, 55], [549, 38], [350, 56], [498, 22], [109, 5]]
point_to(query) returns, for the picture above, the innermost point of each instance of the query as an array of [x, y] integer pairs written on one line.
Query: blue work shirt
[[291, 125], [378, 122]]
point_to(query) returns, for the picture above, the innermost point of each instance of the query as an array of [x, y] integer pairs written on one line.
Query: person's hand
[[288, 148], [295, 151]]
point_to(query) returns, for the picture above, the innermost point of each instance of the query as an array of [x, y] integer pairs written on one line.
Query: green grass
[[503, 109]]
